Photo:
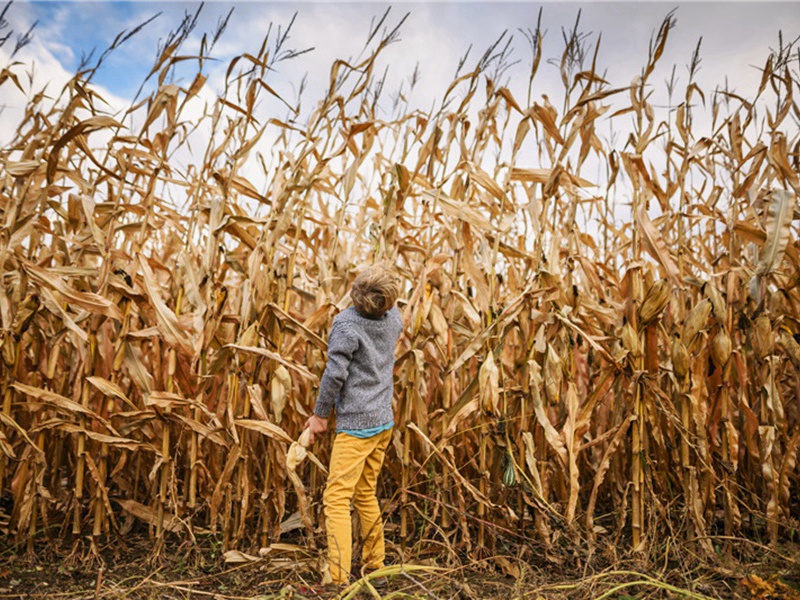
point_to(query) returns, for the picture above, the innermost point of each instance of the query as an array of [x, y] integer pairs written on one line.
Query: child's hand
[[316, 426]]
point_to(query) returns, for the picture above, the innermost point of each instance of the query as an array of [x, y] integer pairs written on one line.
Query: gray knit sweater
[[358, 378]]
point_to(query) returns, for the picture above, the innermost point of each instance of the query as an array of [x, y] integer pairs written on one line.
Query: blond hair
[[375, 291]]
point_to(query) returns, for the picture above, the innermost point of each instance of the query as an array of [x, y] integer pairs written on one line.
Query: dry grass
[[571, 382]]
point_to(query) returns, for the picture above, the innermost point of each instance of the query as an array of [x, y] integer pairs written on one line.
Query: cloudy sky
[[736, 40], [736, 37]]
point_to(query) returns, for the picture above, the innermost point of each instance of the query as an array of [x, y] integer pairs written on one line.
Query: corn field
[[601, 332]]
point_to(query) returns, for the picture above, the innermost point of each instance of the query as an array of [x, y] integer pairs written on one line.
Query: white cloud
[[436, 35]]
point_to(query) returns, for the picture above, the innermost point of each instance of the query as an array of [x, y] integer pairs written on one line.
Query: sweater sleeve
[[341, 346]]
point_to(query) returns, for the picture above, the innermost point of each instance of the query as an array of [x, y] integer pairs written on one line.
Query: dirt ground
[[182, 572]]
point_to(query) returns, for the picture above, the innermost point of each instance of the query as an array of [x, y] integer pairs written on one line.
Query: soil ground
[[199, 572]]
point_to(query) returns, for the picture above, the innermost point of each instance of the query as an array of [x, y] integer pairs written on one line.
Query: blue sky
[[736, 36]]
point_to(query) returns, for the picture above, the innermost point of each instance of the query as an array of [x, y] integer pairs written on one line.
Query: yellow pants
[[354, 468]]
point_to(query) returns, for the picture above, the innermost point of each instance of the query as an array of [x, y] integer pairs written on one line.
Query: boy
[[358, 384]]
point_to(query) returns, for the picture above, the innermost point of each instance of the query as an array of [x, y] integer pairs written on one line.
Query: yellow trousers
[[353, 476]]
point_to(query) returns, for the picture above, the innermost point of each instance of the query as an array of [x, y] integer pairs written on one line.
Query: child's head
[[375, 291]]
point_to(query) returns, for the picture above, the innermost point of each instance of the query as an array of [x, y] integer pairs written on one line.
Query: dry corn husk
[[655, 301], [25, 314], [696, 321], [630, 340], [763, 338], [717, 303], [680, 358], [721, 348], [791, 347], [298, 450], [488, 381], [553, 375], [296, 454]]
